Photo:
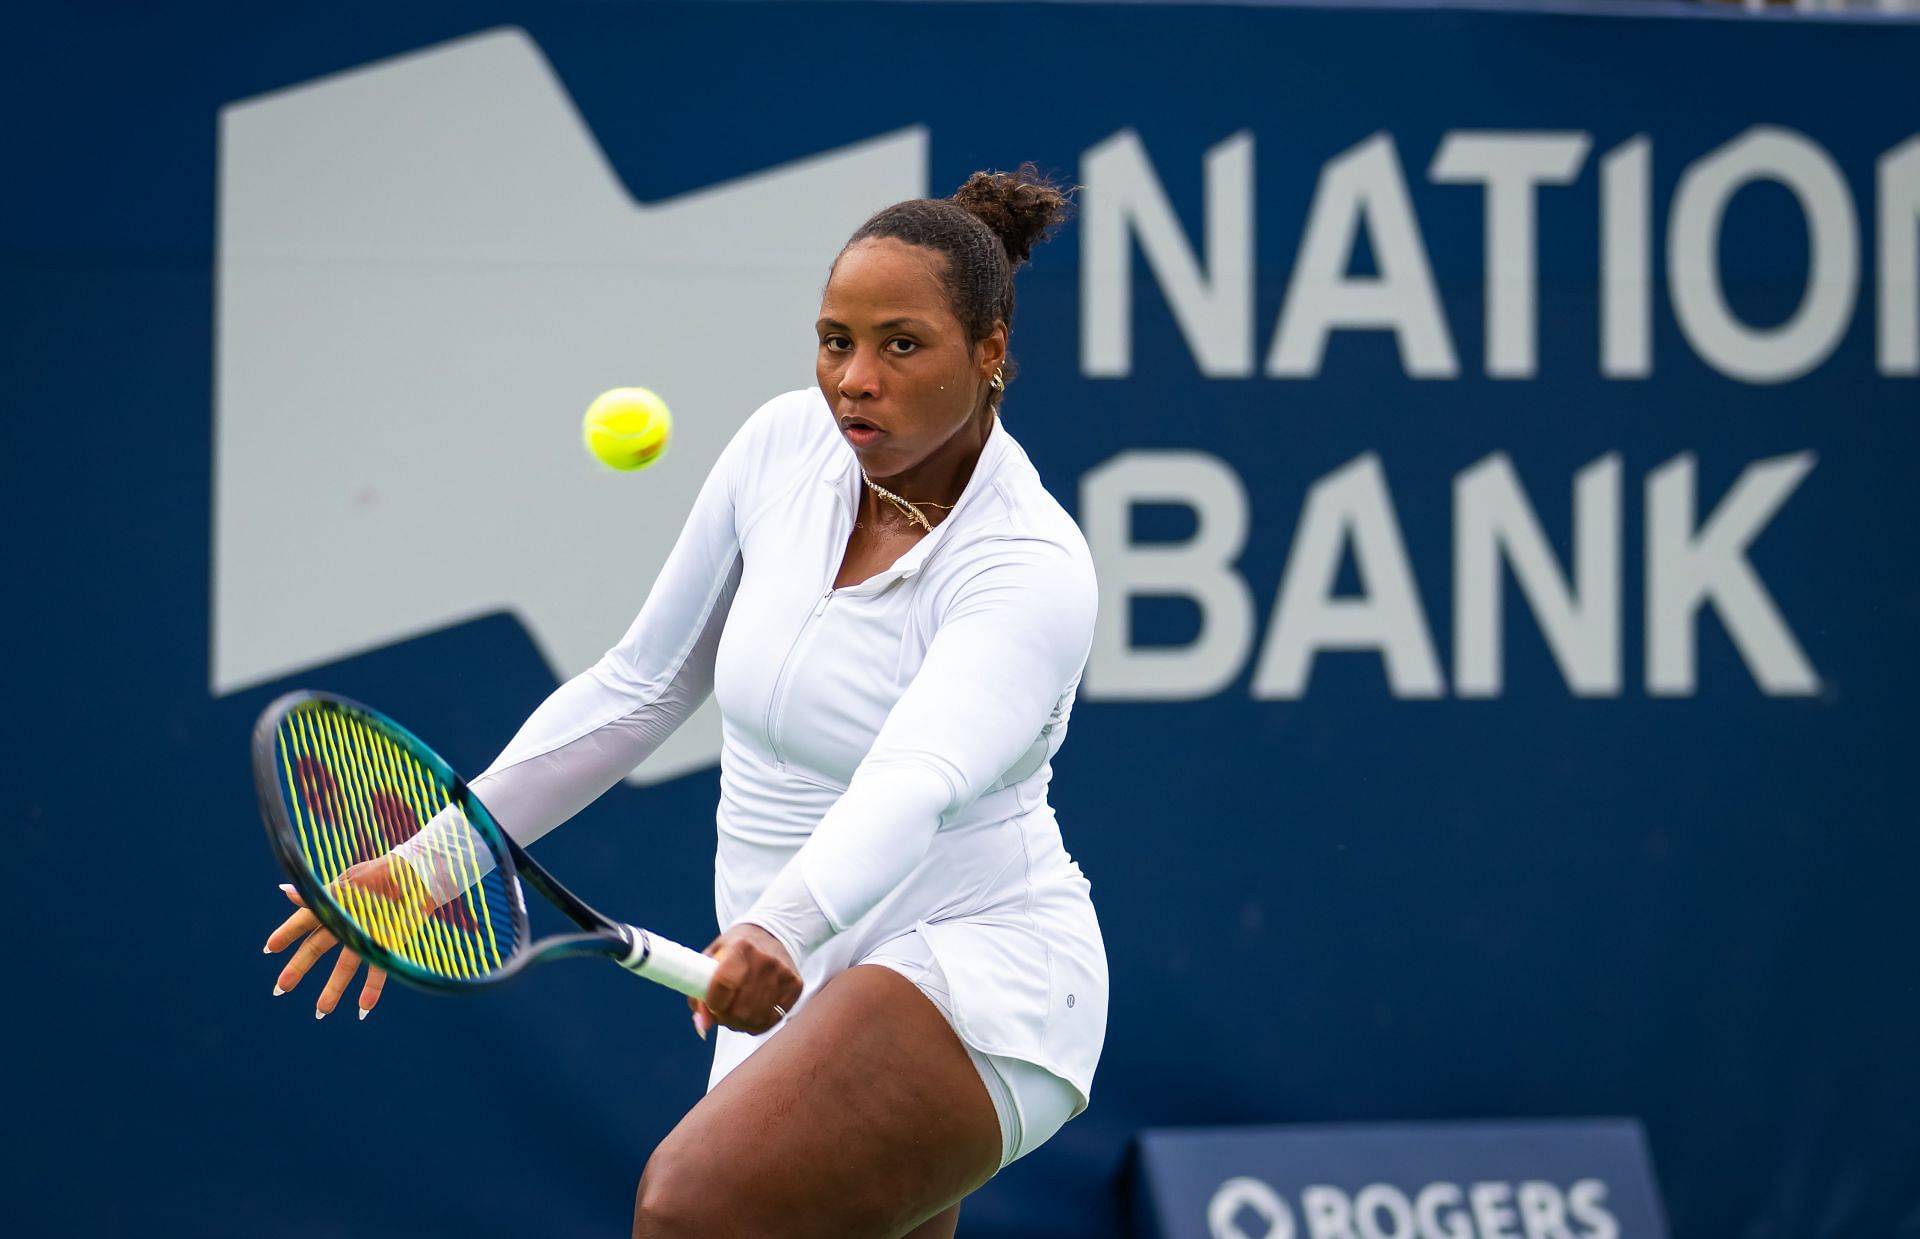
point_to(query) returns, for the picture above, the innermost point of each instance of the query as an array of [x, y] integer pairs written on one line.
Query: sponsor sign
[[1586, 1179]]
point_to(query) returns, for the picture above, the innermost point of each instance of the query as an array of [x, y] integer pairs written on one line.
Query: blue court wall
[[1495, 429]]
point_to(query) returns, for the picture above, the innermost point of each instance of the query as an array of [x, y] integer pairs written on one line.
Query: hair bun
[[1022, 208]]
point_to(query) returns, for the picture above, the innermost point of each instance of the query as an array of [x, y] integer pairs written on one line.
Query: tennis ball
[[627, 428]]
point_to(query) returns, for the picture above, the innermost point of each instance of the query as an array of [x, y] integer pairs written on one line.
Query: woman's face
[[895, 364]]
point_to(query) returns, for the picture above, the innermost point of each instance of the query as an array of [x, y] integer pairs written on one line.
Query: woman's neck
[[938, 480]]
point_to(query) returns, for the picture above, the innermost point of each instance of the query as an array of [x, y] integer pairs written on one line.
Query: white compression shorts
[[1031, 1102]]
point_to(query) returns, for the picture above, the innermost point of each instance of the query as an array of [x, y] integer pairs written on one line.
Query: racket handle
[[667, 962]]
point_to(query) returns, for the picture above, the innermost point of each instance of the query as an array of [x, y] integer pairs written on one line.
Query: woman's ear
[[993, 351]]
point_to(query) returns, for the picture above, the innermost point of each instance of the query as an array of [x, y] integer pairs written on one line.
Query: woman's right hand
[[316, 940], [754, 987]]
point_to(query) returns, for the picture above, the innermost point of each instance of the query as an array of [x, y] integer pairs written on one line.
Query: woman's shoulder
[[782, 443], [791, 420], [1018, 525], [1020, 507]]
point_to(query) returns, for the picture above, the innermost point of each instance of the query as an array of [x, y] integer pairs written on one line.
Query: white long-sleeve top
[[886, 745]]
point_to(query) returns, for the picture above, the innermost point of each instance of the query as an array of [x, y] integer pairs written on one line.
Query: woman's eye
[[833, 344], [903, 347]]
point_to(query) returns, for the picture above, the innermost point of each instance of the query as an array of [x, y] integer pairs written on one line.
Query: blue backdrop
[[1682, 897]]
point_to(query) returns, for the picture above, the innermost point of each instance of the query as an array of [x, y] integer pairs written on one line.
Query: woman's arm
[[595, 728], [1011, 644]]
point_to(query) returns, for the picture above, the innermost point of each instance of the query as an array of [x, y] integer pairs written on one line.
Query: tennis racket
[[397, 857]]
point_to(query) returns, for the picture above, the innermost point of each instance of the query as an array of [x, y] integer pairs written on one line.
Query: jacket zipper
[[777, 699]]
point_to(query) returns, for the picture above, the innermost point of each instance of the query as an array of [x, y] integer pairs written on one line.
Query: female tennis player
[[893, 614]]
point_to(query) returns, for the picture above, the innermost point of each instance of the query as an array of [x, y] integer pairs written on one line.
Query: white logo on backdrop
[[1247, 1208], [426, 268], [1248, 1200]]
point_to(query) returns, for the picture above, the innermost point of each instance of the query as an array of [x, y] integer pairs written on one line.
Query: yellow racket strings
[[354, 793]]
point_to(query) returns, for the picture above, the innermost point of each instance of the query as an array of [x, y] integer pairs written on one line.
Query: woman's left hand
[[755, 975]]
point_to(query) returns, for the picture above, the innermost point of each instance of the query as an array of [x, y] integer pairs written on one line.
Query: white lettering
[[1763, 355], [1586, 1201], [1327, 1211], [1208, 278], [1899, 211], [1626, 260], [1543, 1212], [1439, 1209], [1362, 187], [1690, 563], [1200, 568], [1376, 1200], [1493, 520], [1512, 166], [1350, 504], [1686, 570], [1491, 1211], [1214, 307]]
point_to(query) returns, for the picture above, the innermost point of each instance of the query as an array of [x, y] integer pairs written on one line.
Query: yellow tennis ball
[[627, 428]]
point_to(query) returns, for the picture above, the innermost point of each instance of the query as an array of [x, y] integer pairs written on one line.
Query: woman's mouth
[[860, 432]]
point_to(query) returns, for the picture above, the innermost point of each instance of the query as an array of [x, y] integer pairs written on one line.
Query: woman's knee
[[856, 1120], [666, 1205], [698, 1198], [687, 1196]]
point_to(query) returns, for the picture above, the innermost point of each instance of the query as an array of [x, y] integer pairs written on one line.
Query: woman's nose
[[861, 377]]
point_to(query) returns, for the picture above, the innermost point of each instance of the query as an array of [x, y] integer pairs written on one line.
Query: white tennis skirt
[[1032, 1103]]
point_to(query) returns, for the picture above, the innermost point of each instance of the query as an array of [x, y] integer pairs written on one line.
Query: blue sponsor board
[[1578, 1179], [1495, 430]]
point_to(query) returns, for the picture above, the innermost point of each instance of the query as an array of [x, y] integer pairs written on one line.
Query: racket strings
[[355, 795]]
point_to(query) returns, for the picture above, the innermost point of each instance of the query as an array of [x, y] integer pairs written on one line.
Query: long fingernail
[[287, 887], [277, 991], [700, 1025], [318, 1014], [364, 1011]]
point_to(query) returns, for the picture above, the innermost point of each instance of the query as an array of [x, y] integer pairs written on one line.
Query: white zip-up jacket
[[886, 746]]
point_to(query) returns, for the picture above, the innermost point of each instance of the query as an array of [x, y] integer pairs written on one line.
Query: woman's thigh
[[862, 1117]]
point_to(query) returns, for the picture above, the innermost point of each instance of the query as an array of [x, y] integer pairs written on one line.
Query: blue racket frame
[[604, 937]]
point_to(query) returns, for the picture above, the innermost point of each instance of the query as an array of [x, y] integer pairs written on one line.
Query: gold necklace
[[912, 510]]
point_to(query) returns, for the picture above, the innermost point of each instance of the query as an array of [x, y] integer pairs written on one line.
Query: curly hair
[[985, 230]]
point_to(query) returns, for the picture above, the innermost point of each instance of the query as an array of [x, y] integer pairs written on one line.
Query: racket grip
[[666, 962]]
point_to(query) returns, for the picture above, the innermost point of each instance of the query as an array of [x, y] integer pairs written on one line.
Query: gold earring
[[997, 383]]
